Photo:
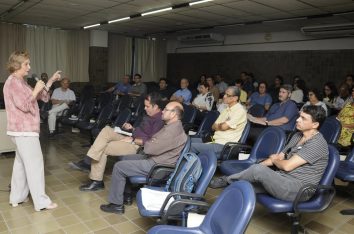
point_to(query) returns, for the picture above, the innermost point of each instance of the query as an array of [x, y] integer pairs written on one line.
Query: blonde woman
[[23, 128]]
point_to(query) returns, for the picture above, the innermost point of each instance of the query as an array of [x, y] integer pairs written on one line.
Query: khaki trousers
[[107, 143], [28, 173]]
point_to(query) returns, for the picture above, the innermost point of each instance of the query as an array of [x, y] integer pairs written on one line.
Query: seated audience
[[282, 114], [183, 95], [349, 81], [201, 80], [205, 100], [299, 91], [108, 142], [163, 148], [212, 88], [164, 89], [329, 94], [138, 88], [343, 96], [122, 88], [274, 89], [243, 95], [314, 100], [261, 97], [221, 84], [346, 118], [302, 161], [228, 126], [62, 98], [247, 83]]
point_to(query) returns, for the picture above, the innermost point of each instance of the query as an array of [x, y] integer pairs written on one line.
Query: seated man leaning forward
[[111, 143], [163, 148], [302, 161], [62, 97], [228, 127]]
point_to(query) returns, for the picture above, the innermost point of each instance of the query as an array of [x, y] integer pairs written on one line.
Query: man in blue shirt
[[282, 114], [183, 95], [122, 88]]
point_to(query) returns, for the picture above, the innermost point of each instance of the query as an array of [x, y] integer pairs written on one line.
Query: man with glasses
[[228, 127], [61, 99], [163, 148]]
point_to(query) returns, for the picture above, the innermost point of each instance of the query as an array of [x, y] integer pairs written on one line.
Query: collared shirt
[[67, 95], [206, 100], [148, 127], [236, 118], [263, 100], [122, 88], [185, 94], [286, 109], [138, 89]]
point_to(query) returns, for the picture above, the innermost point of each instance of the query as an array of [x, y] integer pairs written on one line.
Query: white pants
[[28, 173], [53, 113]]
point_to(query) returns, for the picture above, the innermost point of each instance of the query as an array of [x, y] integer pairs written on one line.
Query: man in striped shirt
[[302, 161]]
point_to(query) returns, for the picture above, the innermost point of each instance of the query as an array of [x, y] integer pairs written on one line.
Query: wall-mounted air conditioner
[[329, 30], [207, 38]]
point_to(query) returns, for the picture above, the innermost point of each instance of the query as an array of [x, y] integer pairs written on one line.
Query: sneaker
[[219, 182]]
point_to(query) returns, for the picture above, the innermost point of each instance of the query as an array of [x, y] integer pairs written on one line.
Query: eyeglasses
[[228, 95]]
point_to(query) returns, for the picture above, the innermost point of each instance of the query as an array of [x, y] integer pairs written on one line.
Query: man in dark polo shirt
[[111, 143], [302, 161]]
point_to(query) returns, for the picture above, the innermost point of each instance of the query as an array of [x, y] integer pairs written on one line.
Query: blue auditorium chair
[[230, 213], [324, 195], [205, 126], [346, 173], [208, 161], [331, 129], [270, 141]]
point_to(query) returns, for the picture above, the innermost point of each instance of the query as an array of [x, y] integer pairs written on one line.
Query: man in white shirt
[[61, 99]]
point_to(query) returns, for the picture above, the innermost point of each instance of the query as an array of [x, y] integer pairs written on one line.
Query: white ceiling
[[219, 14]]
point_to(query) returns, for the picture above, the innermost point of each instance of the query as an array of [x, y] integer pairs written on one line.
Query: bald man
[[163, 148]]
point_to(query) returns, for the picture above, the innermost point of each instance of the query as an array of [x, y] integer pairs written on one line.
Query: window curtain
[[119, 57], [12, 37], [150, 59]]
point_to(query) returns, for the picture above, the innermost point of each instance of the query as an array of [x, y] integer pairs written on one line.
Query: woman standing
[[23, 127]]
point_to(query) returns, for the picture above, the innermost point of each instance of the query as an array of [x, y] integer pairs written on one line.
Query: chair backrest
[[232, 211], [257, 110], [350, 157], [86, 110], [209, 163], [123, 117], [189, 114], [245, 133], [208, 121], [104, 116], [270, 141], [331, 129], [321, 200]]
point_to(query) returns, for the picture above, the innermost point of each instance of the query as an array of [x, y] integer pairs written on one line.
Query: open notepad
[[120, 131]]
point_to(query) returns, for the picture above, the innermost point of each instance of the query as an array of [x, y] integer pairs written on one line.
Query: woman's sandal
[[51, 206], [16, 204]]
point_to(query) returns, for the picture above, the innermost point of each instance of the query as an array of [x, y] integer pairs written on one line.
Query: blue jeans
[[198, 146]]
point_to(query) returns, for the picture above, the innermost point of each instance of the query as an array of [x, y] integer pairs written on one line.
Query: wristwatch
[[266, 122]]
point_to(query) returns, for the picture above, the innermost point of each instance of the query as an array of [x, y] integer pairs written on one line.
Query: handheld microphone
[[34, 76]]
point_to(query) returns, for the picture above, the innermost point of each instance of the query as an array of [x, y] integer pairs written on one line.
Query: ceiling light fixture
[[157, 11], [199, 2], [117, 20], [91, 26]]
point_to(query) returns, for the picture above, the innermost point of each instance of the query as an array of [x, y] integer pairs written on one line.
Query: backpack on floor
[[186, 174]]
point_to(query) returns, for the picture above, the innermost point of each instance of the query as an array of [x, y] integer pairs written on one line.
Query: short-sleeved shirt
[[222, 86], [263, 100], [204, 100], [59, 94], [138, 89], [314, 151], [122, 88], [185, 94], [236, 118], [286, 109]]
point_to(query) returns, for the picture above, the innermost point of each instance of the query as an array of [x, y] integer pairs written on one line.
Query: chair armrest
[[233, 148], [158, 172], [316, 188], [179, 206], [179, 195]]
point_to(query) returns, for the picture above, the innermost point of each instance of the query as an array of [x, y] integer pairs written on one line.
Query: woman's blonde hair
[[16, 59]]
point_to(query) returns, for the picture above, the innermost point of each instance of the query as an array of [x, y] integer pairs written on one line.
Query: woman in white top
[[314, 100], [205, 100], [299, 90]]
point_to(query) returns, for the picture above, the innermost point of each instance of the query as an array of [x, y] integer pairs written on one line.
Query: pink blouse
[[21, 108]]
